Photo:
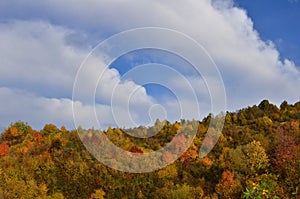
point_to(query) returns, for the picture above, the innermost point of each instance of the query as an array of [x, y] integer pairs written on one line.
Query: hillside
[[257, 156]]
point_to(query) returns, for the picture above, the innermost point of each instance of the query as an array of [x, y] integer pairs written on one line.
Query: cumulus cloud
[[20, 105], [38, 70], [42, 48], [25, 106], [35, 57]]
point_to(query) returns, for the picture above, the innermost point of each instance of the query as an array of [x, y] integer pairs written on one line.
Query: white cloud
[[38, 70], [34, 56], [38, 111], [20, 105]]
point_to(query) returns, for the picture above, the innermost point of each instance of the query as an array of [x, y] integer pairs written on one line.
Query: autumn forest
[[256, 156]]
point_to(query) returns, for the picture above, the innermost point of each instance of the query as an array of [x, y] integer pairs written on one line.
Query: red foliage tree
[[4, 149], [285, 151], [37, 137], [228, 187], [191, 153], [167, 157], [228, 178], [135, 149]]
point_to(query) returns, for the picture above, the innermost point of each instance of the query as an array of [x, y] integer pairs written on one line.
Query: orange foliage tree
[[228, 187], [4, 149]]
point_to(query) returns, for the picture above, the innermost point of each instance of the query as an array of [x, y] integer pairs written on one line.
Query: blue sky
[[277, 21], [254, 44]]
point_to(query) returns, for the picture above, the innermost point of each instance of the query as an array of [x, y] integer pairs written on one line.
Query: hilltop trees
[[249, 159], [257, 156], [4, 149]]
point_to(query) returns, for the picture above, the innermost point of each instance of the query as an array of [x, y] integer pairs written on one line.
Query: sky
[[45, 46], [278, 23]]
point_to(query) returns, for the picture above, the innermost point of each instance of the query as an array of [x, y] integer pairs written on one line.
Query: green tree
[[248, 159]]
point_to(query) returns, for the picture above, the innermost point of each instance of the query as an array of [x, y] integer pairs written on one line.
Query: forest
[[256, 156]]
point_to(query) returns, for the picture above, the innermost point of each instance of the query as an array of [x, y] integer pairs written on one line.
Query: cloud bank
[[42, 47]]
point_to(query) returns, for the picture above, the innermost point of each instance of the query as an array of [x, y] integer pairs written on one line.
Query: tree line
[[256, 156]]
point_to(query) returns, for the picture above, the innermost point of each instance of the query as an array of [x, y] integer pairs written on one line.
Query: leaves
[[228, 187], [249, 159], [257, 156], [4, 149]]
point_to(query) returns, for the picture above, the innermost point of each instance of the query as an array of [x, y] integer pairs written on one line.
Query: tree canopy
[[256, 156]]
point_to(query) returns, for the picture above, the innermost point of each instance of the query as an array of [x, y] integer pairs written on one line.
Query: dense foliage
[[257, 156]]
